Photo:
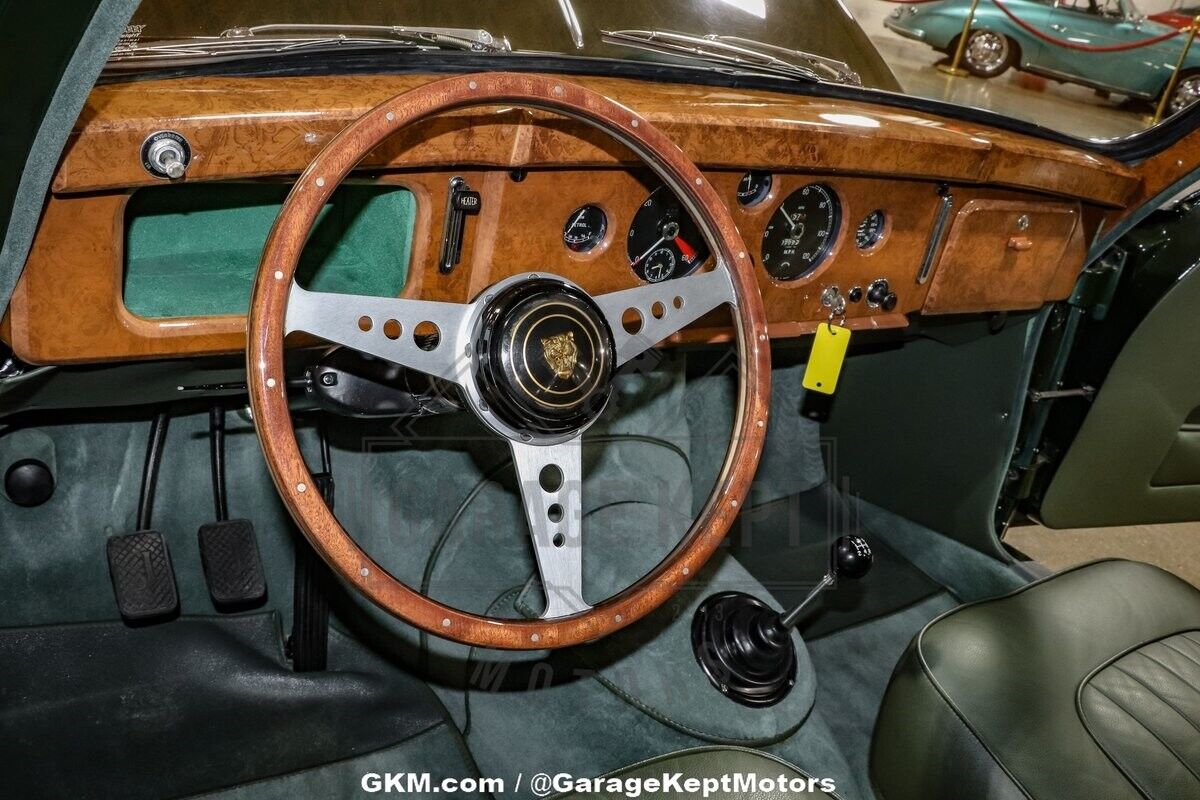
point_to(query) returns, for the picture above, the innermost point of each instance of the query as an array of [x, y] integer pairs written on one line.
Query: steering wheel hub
[[544, 357]]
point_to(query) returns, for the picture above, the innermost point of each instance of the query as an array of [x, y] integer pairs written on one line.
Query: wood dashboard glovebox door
[[1004, 255]]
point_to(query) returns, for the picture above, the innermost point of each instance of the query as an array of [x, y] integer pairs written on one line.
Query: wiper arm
[[284, 38], [740, 53]]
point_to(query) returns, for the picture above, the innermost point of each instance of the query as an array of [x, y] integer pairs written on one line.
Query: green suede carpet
[[434, 502], [786, 543]]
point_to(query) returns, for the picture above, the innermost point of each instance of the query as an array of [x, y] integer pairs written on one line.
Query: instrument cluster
[[663, 241]]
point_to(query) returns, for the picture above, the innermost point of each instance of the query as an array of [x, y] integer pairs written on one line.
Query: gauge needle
[[790, 222], [649, 250], [688, 252]]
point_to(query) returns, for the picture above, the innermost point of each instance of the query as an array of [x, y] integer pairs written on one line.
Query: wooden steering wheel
[[533, 357]]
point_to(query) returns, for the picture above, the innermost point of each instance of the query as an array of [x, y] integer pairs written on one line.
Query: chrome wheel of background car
[[1187, 91], [987, 54]]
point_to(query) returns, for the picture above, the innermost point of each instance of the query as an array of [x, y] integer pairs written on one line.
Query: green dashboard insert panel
[[192, 251]]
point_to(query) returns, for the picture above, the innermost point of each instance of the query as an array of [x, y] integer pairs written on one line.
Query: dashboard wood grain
[[256, 127], [534, 170]]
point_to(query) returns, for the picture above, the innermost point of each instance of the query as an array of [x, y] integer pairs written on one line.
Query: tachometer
[[801, 232], [664, 242]]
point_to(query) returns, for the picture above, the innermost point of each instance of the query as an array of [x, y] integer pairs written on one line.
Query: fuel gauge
[[585, 229]]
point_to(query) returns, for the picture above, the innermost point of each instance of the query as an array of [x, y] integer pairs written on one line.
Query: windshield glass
[[1094, 69]]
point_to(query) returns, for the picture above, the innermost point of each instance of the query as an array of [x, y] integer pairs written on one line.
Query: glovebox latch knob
[[166, 154]]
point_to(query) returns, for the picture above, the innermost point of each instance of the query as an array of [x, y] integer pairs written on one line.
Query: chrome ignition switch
[[166, 154], [831, 298]]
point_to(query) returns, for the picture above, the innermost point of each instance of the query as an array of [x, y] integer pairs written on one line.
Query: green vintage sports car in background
[[1106, 44]]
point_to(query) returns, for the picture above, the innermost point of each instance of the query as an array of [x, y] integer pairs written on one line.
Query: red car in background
[[1177, 17]]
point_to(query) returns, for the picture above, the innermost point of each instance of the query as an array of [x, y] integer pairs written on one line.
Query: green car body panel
[[568, 27]]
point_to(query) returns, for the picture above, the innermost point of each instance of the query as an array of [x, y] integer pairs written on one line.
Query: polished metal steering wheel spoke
[[662, 309], [551, 483], [424, 335]]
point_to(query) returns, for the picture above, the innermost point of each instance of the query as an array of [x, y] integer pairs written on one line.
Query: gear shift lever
[[745, 648]]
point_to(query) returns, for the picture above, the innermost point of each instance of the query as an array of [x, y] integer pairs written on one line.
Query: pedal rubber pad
[[142, 576], [232, 564]]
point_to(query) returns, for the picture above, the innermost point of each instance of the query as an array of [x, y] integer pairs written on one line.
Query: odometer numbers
[[801, 232]]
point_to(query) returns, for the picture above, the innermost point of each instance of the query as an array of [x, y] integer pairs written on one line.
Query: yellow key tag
[[825, 361]]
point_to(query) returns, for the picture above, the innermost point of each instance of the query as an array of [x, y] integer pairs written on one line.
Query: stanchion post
[[954, 68], [1174, 81]]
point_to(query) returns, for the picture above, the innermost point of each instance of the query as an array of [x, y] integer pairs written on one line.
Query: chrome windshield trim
[[738, 52], [282, 38]]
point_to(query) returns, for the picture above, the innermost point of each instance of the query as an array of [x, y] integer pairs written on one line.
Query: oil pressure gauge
[[585, 229], [753, 188]]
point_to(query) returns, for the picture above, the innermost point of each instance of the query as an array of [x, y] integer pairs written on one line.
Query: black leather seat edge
[[1083, 685]]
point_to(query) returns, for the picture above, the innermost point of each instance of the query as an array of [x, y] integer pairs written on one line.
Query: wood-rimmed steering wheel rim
[[268, 385]]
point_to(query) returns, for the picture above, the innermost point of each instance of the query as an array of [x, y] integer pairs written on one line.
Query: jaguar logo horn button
[[561, 354]]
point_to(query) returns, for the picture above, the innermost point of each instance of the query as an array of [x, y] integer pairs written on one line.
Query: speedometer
[[801, 232], [664, 242]]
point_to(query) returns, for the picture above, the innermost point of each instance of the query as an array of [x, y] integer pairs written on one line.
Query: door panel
[[1137, 457]]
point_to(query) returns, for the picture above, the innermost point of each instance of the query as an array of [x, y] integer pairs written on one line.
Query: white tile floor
[[1067, 107]]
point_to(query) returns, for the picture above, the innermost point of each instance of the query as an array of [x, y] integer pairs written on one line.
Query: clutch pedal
[[139, 563], [233, 567]]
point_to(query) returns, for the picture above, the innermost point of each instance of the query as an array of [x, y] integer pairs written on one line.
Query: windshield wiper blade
[[285, 38], [742, 54]]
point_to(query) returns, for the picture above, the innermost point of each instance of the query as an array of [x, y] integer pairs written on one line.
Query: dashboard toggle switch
[[460, 202], [166, 154]]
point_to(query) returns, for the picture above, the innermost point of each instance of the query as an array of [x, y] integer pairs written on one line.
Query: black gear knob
[[852, 557]]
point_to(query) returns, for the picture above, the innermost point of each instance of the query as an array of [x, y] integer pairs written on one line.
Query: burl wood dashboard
[[972, 220]]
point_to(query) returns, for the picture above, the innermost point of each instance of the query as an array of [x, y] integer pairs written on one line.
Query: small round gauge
[[870, 230], [664, 242], [660, 264], [801, 232], [585, 228], [753, 188]]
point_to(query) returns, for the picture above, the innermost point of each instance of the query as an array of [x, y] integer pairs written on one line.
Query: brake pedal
[[229, 554], [139, 563]]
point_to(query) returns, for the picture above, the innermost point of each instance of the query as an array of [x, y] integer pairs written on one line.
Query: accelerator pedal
[[233, 567], [139, 563], [308, 644]]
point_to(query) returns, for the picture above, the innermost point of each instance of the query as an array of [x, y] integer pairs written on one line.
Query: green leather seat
[[712, 763], [1082, 686]]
